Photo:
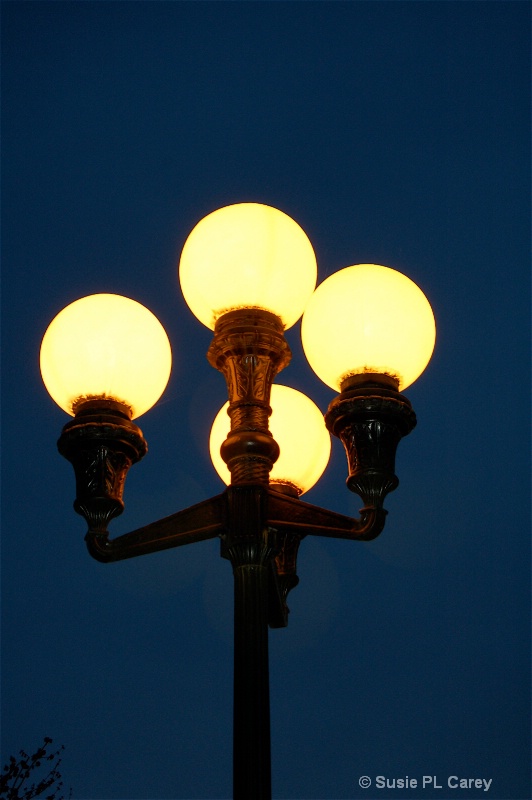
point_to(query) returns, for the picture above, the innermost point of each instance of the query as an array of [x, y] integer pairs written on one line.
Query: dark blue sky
[[394, 133]]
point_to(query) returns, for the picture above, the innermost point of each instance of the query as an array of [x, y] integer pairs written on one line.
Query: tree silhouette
[[14, 781]]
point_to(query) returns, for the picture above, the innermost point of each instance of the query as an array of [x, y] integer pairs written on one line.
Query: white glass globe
[[297, 426], [368, 318], [107, 346], [247, 255]]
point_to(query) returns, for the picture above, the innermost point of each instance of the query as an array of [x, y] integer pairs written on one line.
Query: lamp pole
[[251, 551], [259, 521], [249, 349]]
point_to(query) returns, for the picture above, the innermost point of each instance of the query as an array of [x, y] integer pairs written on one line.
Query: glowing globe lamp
[[108, 347], [368, 318], [247, 255], [297, 426]]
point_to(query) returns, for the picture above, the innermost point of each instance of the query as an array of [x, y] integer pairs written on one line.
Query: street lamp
[[247, 271]]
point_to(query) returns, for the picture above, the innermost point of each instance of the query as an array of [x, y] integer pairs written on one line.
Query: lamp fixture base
[[370, 417], [101, 443]]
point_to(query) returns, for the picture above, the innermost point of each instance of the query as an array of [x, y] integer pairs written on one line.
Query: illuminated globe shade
[[106, 346], [368, 318], [297, 426], [247, 255]]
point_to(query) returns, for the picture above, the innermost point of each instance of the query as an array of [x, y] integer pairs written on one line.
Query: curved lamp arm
[[194, 524], [292, 519], [291, 515]]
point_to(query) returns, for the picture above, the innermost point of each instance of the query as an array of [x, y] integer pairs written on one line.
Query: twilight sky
[[395, 133]]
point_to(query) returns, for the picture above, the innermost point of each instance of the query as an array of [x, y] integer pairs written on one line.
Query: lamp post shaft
[[249, 349], [251, 725], [251, 547]]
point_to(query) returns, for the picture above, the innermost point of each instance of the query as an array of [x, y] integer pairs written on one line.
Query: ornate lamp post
[[248, 271]]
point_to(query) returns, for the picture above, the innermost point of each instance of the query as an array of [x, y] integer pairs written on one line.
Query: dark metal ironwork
[[101, 442], [260, 527], [370, 417], [251, 547]]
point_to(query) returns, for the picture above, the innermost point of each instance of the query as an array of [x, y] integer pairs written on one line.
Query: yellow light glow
[[297, 426], [108, 346], [247, 255], [368, 318]]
